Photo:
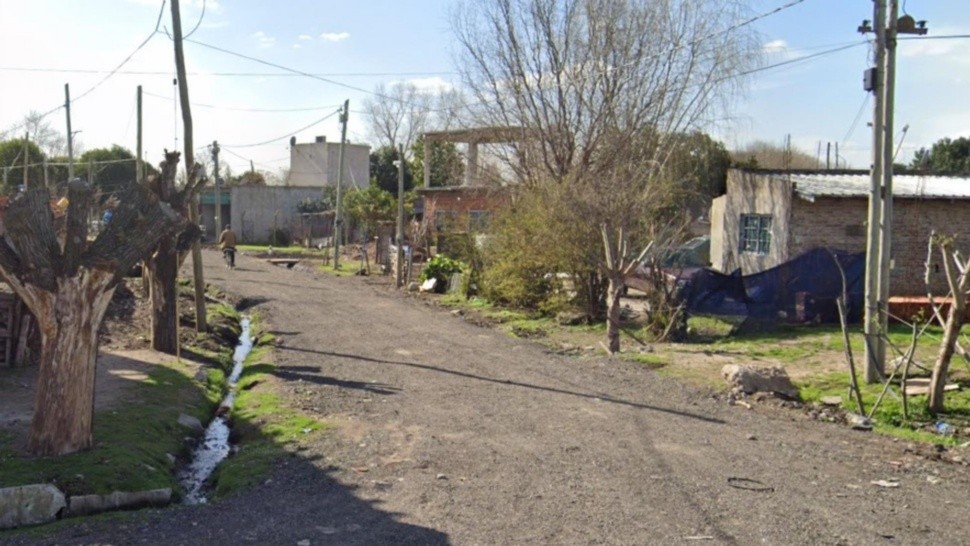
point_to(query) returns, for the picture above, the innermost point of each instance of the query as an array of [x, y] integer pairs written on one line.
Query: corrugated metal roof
[[811, 186]]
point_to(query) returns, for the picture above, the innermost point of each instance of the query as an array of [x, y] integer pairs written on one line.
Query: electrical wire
[[287, 135], [238, 109], [199, 22], [855, 120], [227, 74], [111, 73]]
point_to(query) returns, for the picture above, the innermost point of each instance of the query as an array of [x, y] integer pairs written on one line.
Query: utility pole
[[215, 183], [874, 345], [139, 166], [882, 81], [26, 157], [201, 324], [338, 220], [828, 155], [47, 182], [400, 216], [252, 167], [885, 241], [70, 135]]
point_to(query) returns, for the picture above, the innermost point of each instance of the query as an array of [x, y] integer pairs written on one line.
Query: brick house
[[766, 218], [462, 208]]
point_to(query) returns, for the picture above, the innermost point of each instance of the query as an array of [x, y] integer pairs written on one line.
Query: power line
[[226, 74], [799, 59], [287, 135], [111, 73], [199, 22], [858, 116], [293, 70], [239, 109]]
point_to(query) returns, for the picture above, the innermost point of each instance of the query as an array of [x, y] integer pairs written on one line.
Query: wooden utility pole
[[874, 344], [216, 187], [139, 166], [400, 216], [70, 135], [192, 204], [26, 157], [338, 219]]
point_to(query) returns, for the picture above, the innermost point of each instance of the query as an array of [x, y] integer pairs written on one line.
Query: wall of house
[[750, 193], [840, 223], [460, 201], [316, 164], [253, 209]]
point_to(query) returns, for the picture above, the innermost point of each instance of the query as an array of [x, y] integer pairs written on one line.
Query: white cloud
[[297, 46], [775, 46], [305, 37], [434, 83], [335, 36], [263, 39]]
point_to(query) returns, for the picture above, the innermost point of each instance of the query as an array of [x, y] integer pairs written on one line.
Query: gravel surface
[[448, 433]]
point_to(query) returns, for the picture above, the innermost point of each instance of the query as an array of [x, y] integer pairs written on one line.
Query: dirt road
[[447, 433]]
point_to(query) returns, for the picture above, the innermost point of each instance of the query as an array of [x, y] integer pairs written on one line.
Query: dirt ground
[[449, 433], [123, 360]]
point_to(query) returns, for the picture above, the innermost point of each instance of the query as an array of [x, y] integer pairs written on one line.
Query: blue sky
[[360, 44]]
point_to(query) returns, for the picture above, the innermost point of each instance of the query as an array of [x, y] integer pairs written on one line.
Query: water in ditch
[[214, 446]]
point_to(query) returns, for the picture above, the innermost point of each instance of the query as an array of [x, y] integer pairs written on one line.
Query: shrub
[[441, 267]]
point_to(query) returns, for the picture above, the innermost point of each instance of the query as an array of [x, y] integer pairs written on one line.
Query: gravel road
[[448, 433]]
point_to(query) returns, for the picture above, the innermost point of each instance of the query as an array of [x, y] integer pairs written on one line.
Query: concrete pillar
[[471, 169], [427, 162]]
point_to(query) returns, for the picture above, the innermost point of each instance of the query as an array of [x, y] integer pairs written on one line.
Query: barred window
[[755, 233], [478, 220]]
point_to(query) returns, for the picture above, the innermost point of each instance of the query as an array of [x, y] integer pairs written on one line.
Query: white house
[[315, 164]]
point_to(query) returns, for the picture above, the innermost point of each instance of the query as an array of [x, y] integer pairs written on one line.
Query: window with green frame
[[755, 233]]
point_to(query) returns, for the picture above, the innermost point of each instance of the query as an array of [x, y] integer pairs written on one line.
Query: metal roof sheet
[[811, 186]]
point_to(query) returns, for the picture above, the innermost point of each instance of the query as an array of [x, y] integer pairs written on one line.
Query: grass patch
[[345, 269], [265, 428], [132, 440], [650, 360], [889, 416]]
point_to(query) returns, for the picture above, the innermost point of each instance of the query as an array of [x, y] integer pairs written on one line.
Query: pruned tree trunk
[[163, 293], [959, 283], [614, 291], [64, 403], [67, 282]]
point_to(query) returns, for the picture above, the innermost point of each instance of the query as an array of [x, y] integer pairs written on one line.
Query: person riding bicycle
[[227, 242]]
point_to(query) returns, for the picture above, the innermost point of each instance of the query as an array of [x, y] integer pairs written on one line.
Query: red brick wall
[[460, 201], [840, 223]]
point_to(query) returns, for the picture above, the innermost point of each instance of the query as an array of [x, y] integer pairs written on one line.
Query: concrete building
[[315, 164], [767, 218], [254, 211]]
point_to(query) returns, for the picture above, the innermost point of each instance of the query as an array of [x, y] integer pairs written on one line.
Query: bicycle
[[229, 254]]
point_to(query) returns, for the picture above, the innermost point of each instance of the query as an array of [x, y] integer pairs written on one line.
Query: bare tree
[[602, 89], [51, 141], [398, 114]]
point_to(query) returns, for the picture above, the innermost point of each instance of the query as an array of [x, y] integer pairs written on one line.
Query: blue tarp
[[801, 289]]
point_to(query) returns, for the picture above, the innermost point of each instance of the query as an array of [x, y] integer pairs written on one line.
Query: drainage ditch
[[215, 447]]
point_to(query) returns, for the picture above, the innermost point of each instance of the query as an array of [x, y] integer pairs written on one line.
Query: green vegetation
[[441, 268], [133, 440], [265, 428], [889, 415]]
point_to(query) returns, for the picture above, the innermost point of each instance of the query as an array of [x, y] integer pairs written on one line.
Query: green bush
[[441, 267]]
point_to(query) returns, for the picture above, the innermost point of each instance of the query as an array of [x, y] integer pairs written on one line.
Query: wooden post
[[201, 324], [139, 165], [338, 220], [400, 216], [26, 157]]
